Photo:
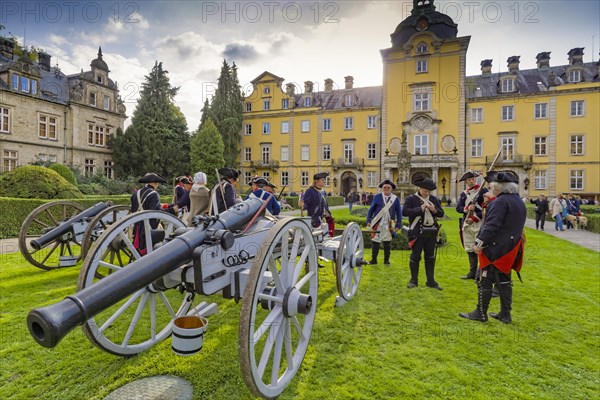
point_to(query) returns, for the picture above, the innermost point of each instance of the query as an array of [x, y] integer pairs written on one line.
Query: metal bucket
[[188, 335]]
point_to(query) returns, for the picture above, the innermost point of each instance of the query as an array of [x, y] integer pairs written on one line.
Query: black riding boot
[[472, 266], [374, 252], [414, 272], [483, 302], [505, 303], [387, 247], [429, 268]]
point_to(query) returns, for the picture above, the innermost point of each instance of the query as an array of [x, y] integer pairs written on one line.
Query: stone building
[[46, 115]]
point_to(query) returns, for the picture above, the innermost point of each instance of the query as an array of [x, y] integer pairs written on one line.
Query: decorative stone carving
[[421, 123]]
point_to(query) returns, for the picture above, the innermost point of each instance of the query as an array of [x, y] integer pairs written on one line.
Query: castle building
[[428, 119], [46, 115]]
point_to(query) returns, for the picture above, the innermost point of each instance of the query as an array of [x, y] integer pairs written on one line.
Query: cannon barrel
[[66, 226], [48, 325]]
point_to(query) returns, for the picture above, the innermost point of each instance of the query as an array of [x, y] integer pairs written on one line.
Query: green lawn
[[388, 342]]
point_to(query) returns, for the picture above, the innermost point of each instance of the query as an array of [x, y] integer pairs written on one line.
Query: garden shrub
[[65, 172], [32, 182]]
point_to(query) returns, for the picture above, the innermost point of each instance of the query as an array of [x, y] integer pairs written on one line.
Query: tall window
[[372, 122], [508, 113], [577, 145], [284, 179], [247, 129], [371, 151], [106, 103], [327, 124], [476, 147], [371, 182], [349, 123], [477, 115], [304, 178], [540, 147], [326, 152], [421, 66], [47, 127], [508, 149], [575, 76], [248, 106], [266, 128], [266, 154], [421, 144], [421, 102], [285, 104], [266, 175], [89, 167], [508, 85], [285, 153], [247, 153], [541, 111], [247, 177], [307, 102], [9, 160], [93, 99], [349, 100], [4, 120], [305, 152], [305, 125], [108, 169], [99, 138], [577, 108], [539, 180], [266, 105], [285, 127], [576, 181], [348, 152]]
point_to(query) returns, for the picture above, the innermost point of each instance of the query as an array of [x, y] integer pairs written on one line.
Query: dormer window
[[422, 48], [266, 90], [575, 76], [349, 100], [100, 79], [508, 85], [93, 99], [24, 84], [248, 106], [307, 102]]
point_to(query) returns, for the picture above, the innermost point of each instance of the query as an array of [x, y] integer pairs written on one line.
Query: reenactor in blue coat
[[258, 191], [470, 204], [422, 210], [223, 194], [146, 198], [385, 218], [500, 245], [315, 200]]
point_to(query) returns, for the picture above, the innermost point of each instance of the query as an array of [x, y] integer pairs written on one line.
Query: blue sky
[[297, 40]]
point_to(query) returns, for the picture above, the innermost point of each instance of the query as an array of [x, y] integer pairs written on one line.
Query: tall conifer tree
[[207, 151]]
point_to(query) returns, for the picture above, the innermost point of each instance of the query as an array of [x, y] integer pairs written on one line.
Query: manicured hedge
[[65, 172], [592, 213], [33, 182]]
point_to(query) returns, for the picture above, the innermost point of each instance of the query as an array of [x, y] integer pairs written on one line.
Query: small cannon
[[52, 235], [128, 302]]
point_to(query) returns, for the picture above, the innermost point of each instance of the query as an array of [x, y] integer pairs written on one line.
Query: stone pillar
[[453, 178]]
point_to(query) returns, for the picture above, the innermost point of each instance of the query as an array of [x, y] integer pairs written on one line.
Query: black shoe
[[435, 286], [503, 318], [474, 315], [386, 263], [373, 262], [412, 284], [468, 276]]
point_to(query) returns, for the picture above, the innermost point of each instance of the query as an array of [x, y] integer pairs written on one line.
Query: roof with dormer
[[364, 97], [424, 18], [99, 63]]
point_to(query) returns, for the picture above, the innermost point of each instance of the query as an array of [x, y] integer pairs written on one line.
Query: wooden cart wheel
[[43, 219], [145, 318], [100, 223], [350, 259], [278, 308]]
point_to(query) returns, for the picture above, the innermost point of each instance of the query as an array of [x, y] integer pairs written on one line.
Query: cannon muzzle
[[48, 325], [67, 225]]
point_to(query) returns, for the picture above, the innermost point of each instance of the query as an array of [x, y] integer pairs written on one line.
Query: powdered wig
[[505, 187]]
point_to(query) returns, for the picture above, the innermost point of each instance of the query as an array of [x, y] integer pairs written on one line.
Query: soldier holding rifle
[[385, 218]]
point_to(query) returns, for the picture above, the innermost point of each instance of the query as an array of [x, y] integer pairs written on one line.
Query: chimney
[[513, 64], [349, 82], [328, 85], [308, 87], [598, 63], [290, 89], [486, 67], [543, 60], [7, 47], [576, 56], [44, 61]]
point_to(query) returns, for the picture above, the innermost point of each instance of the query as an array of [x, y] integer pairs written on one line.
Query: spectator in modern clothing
[[557, 206], [541, 208]]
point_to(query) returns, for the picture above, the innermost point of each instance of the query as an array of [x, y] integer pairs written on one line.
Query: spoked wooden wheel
[[278, 309], [144, 318], [43, 219], [100, 223], [350, 259]]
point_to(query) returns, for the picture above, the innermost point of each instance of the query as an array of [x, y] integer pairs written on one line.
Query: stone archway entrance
[[348, 182]]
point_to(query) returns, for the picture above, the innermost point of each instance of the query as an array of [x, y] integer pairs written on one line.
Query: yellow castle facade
[[428, 119]]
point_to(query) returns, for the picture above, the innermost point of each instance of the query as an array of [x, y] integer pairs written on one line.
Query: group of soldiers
[[491, 225]]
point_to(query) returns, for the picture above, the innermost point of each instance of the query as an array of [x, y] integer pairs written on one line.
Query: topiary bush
[[31, 182], [65, 172]]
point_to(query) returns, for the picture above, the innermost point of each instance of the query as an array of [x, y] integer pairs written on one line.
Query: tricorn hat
[[259, 181], [272, 185], [425, 183], [227, 172], [502, 176], [151, 177], [387, 182], [321, 175], [469, 174]]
